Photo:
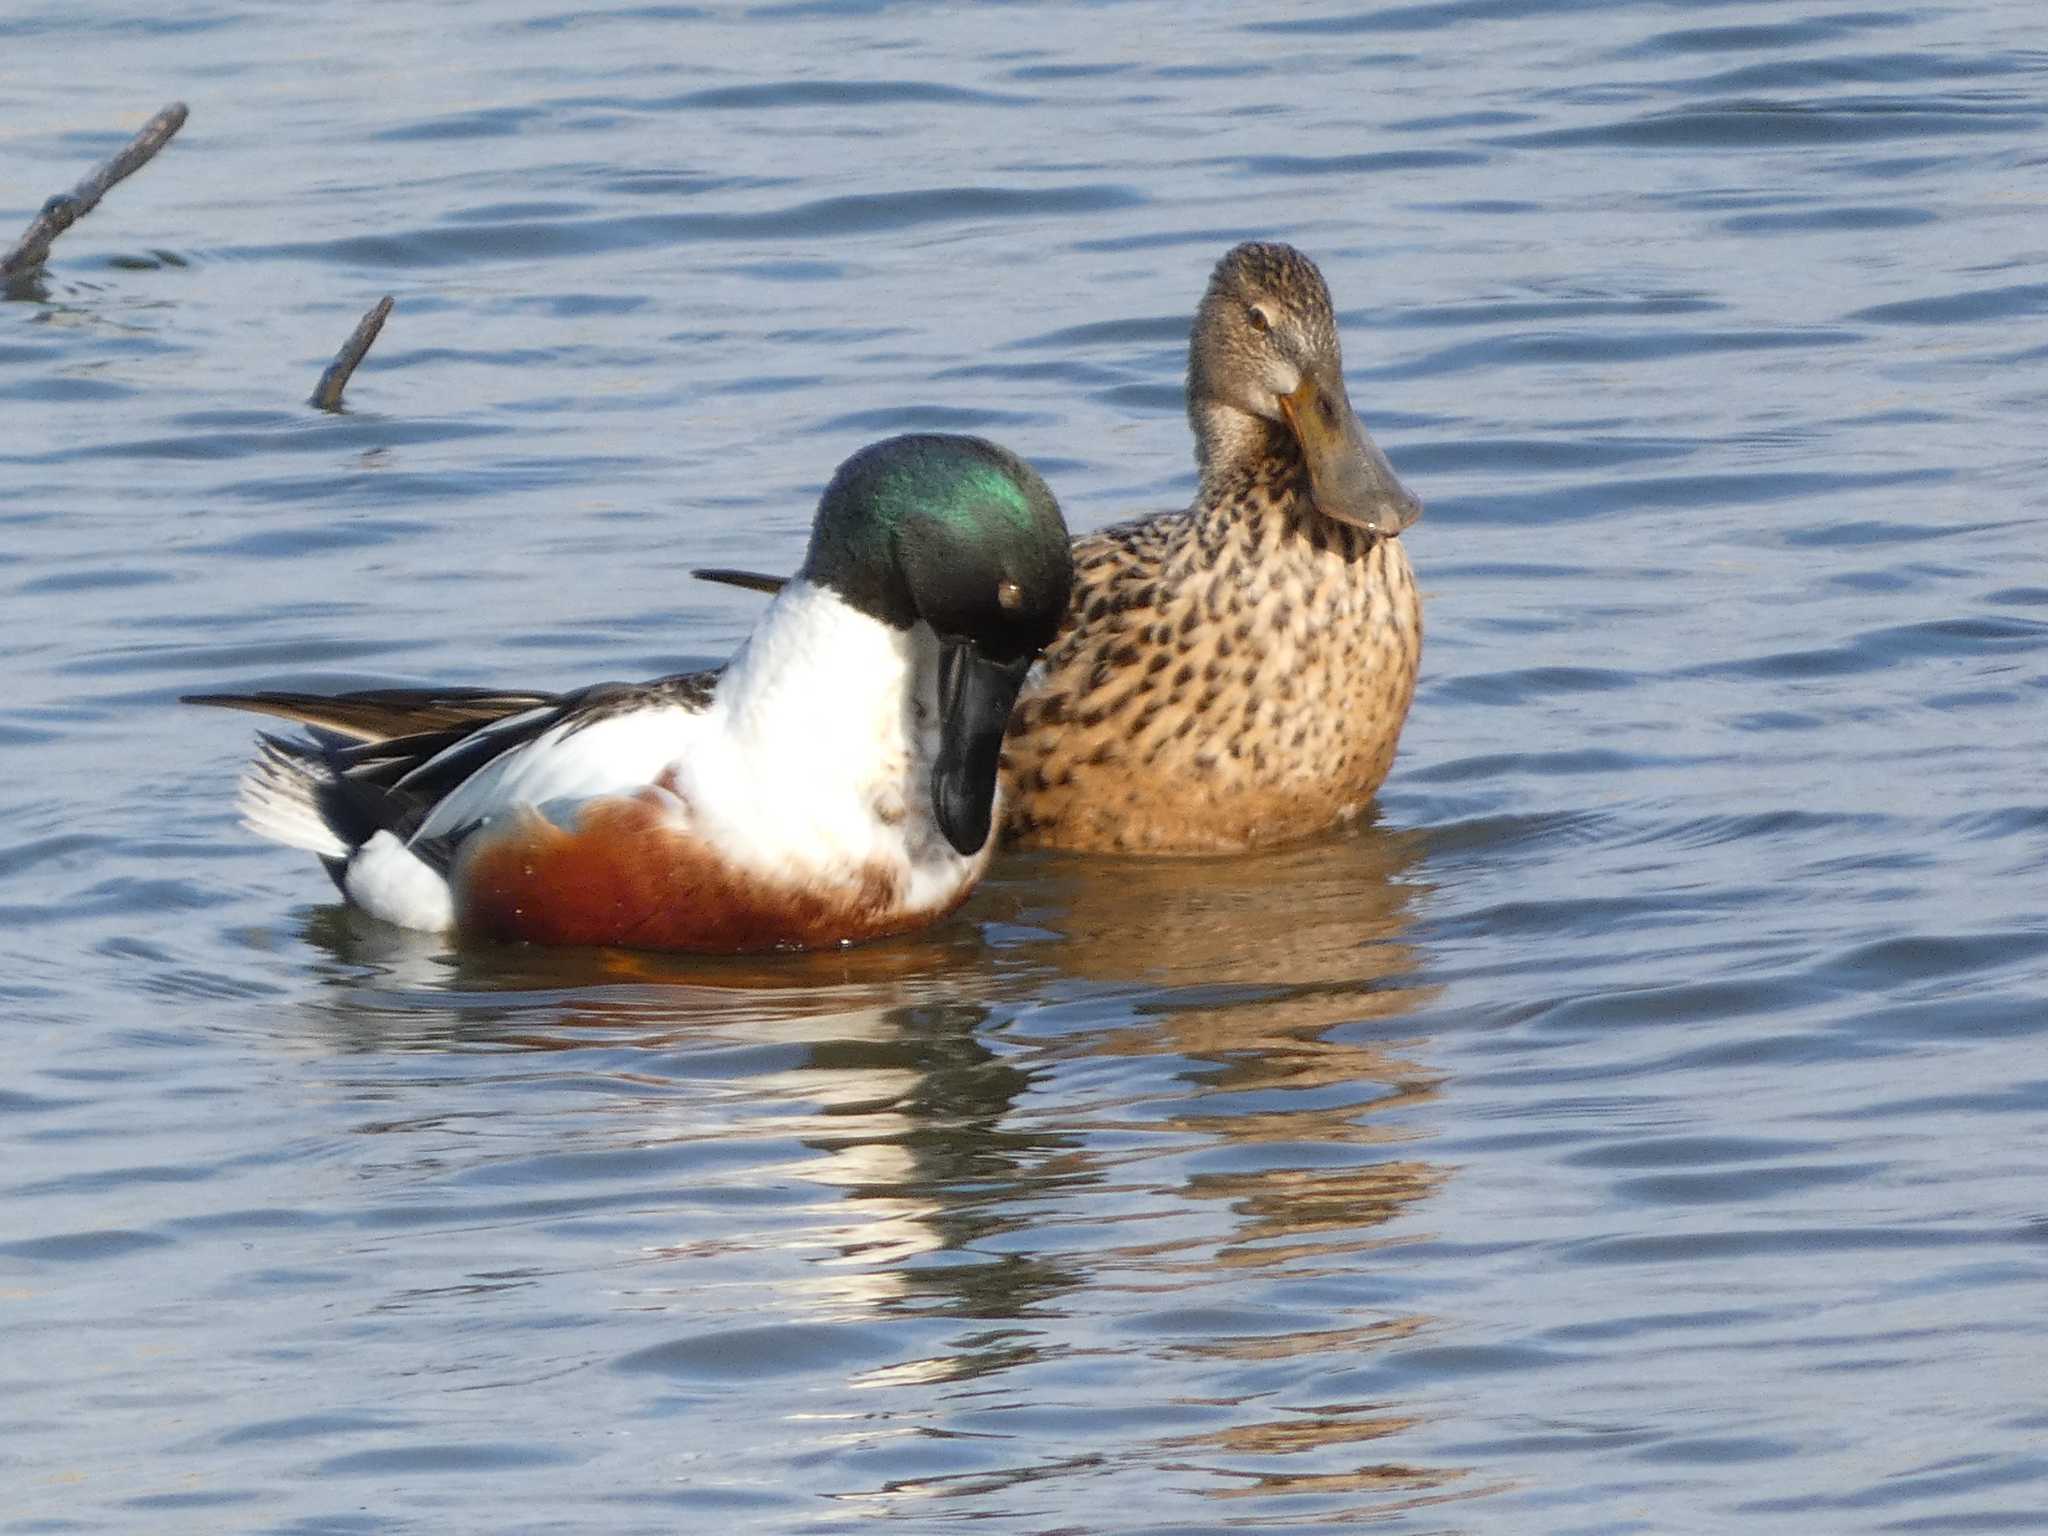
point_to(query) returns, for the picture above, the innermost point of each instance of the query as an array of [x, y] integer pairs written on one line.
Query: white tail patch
[[278, 800], [388, 880]]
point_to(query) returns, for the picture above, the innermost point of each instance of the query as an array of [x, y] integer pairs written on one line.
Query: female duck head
[[1265, 356], [963, 536]]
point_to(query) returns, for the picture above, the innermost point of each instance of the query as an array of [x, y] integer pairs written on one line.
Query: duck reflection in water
[[1246, 1022], [1120, 1090]]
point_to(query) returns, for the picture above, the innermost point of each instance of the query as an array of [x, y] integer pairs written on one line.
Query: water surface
[[1641, 1126]]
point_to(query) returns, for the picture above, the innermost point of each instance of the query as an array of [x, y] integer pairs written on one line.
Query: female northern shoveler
[[835, 782], [1235, 674]]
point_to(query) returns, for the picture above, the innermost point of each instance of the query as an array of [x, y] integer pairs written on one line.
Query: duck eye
[[1009, 596], [1261, 321]]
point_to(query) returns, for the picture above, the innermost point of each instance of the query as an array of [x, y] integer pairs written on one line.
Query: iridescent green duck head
[[1266, 374], [959, 538]]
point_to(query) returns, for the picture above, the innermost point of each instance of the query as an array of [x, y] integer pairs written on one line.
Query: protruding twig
[[67, 208], [327, 393]]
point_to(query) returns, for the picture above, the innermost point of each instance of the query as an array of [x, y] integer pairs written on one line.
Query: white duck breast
[[818, 746]]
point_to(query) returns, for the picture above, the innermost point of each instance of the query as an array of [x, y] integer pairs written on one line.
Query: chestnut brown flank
[[627, 875]]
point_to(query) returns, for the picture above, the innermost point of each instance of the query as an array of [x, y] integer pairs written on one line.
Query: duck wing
[[381, 714], [384, 760]]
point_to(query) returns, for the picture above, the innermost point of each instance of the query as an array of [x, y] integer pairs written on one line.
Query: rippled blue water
[[1643, 1127]]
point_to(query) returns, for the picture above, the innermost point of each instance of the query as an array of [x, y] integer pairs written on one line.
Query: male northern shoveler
[[1235, 674], [835, 781]]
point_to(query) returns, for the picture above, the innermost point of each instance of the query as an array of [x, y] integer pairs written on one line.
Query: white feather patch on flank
[[574, 761], [278, 800], [389, 881]]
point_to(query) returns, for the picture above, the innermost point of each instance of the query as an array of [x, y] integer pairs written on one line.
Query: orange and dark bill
[[1348, 476]]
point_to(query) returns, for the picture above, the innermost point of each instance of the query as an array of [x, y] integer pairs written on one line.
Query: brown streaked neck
[[1238, 451], [1230, 443], [1240, 455]]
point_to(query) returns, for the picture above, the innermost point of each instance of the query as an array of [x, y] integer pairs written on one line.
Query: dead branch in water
[[327, 393], [67, 208]]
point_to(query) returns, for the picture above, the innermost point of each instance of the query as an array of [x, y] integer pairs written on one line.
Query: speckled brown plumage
[[1236, 674]]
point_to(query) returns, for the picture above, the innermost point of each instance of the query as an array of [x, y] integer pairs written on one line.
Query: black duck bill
[[976, 694], [1348, 476]]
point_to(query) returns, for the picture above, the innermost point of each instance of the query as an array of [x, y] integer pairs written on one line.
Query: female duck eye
[[1261, 321]]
